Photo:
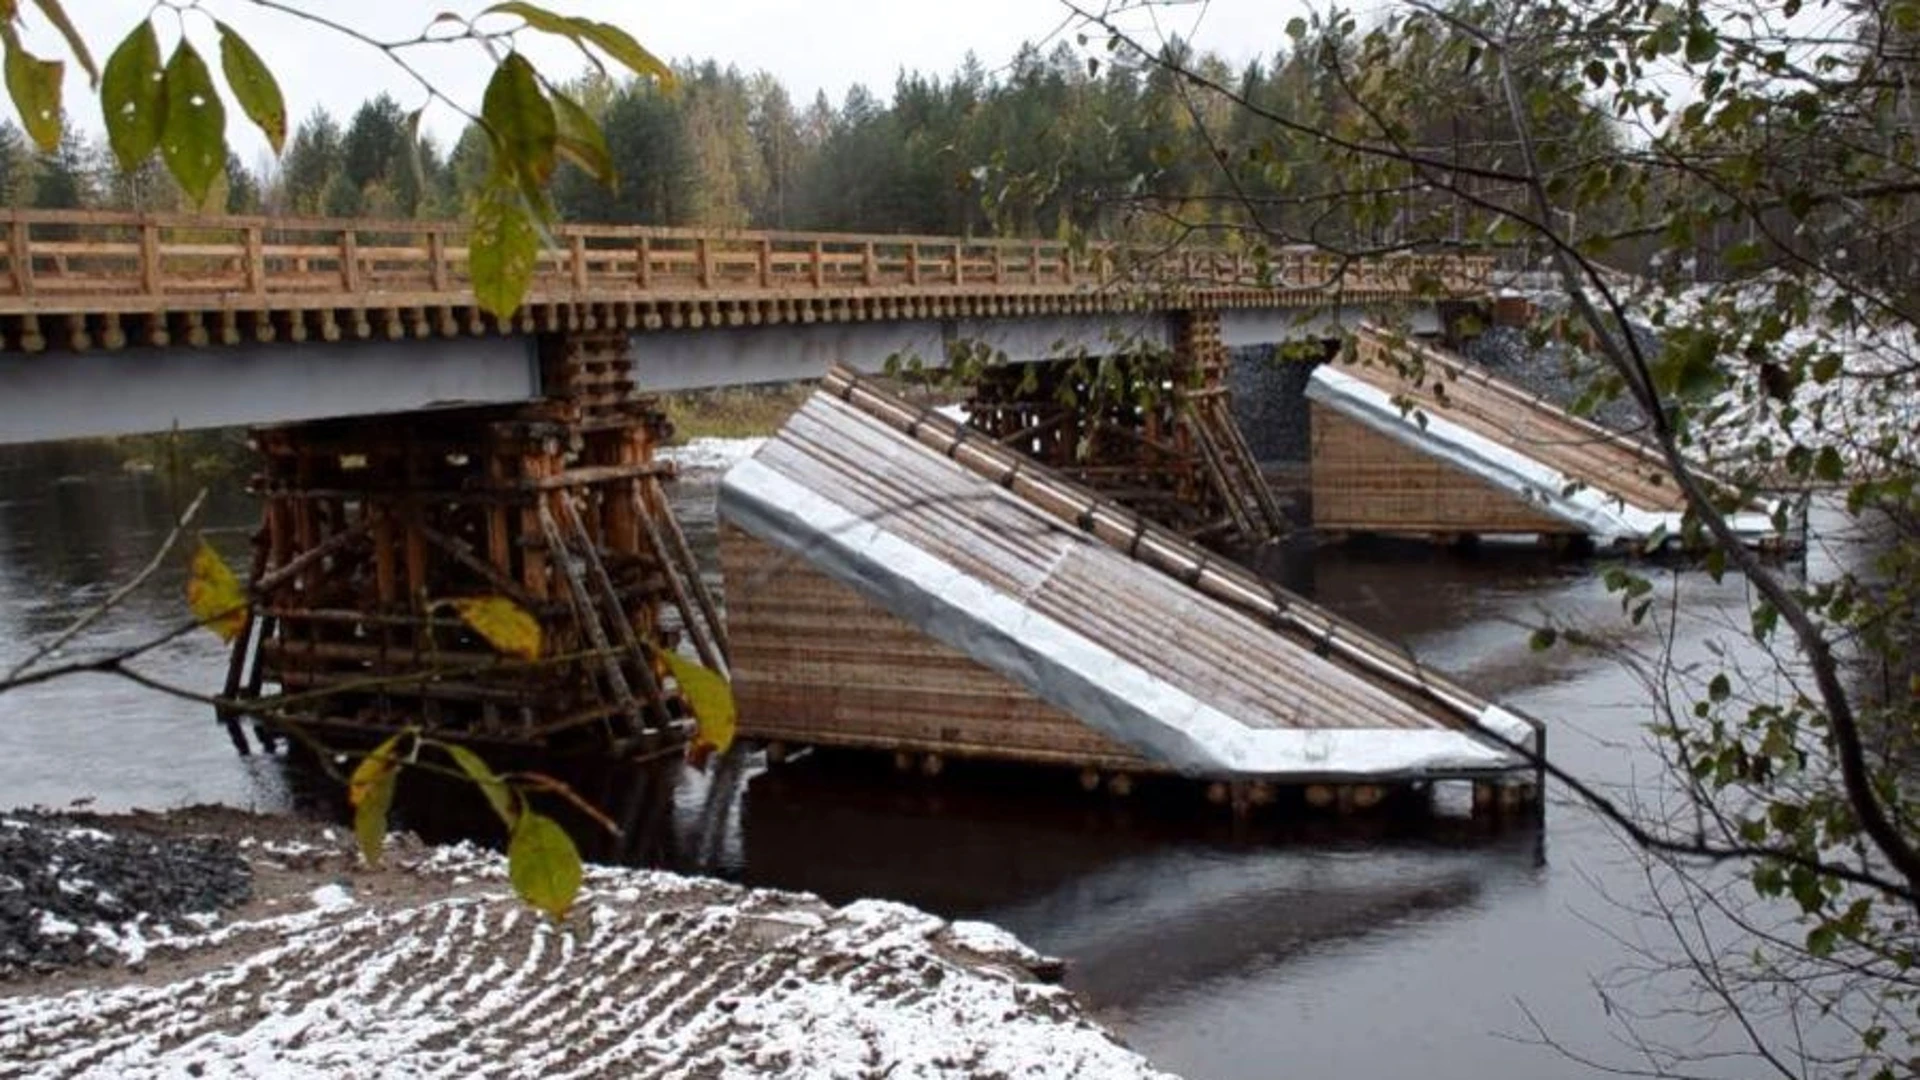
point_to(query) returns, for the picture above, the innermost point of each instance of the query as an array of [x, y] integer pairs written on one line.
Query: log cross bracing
[[80, 278], [1153, 644]]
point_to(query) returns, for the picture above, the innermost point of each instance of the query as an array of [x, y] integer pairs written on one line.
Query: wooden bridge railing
[[85, 261]]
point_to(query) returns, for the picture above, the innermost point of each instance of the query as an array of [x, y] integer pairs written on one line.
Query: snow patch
[[711, 454], [333, 897]]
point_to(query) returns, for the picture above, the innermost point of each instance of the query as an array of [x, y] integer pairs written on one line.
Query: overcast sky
[[817, 45]]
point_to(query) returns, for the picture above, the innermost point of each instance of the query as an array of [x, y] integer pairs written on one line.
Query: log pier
[[371, 526]]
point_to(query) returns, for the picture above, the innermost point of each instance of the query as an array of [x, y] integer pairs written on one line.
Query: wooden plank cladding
[[815, 663], [85, 279], [1410, 439], [1364, 481], [898, 556]]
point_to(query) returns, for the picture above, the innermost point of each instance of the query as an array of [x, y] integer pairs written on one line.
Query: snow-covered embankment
[[430, 967]]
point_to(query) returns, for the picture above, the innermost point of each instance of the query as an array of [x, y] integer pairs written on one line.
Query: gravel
[[72, 893], [1551, 371], [1270, 403]]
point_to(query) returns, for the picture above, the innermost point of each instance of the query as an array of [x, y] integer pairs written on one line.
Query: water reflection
[[1145, 895]]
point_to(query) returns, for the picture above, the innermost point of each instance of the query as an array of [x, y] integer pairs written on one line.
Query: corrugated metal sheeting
[[1597, 481], [1190, 662]]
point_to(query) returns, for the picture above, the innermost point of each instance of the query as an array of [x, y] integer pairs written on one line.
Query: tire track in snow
[[653, 976]]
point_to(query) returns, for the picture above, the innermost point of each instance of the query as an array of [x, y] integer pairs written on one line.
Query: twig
[[79, 625]]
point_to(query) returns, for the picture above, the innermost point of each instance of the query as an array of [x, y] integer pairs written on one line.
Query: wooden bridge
[[527, 467], [80, 280]]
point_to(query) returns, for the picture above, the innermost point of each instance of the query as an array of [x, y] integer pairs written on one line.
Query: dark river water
[[1356, 949]]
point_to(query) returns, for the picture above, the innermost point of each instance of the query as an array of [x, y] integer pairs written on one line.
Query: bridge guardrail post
[[959, 264], [703, 261], [20, 255], [643, 264], [349, 260], [256, 267], [817, 267], [437, 257], [149, 257], [869, 266], [577, 255], [766, 263]]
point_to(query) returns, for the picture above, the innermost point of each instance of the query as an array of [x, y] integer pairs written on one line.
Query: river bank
[[428, 966]]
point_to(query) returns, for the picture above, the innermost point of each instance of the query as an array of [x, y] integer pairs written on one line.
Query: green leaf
[[1543, 639], [414, 164], [1821, 939], [498, 794], [57, 15], [521, 121], [34, 85], [502, 247], [708, 695], [1702, 44], [581, 141], [621, 45], [133, 97], [537, 17], [612, 40], [1827, 465], [193, 141], [370, 793], [543, 864], [253, 86]]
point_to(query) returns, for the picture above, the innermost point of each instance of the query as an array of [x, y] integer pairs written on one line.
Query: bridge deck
[[75, 275]]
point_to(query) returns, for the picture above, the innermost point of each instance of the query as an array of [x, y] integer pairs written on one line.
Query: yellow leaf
[[370, 793], [543, 864], [708, 695], [214, 595], [505, 624]]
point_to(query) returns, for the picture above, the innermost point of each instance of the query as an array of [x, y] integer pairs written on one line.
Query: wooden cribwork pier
[[1411, 440], [1155, 433], [905, 584], [371, 528]]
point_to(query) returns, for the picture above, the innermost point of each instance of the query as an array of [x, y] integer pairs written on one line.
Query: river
[[1321, 948]]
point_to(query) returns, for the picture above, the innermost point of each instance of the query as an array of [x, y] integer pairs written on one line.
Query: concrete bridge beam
[[99, 393]]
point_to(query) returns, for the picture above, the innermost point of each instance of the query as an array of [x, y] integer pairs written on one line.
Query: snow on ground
[[711, 453], [653, 974]]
